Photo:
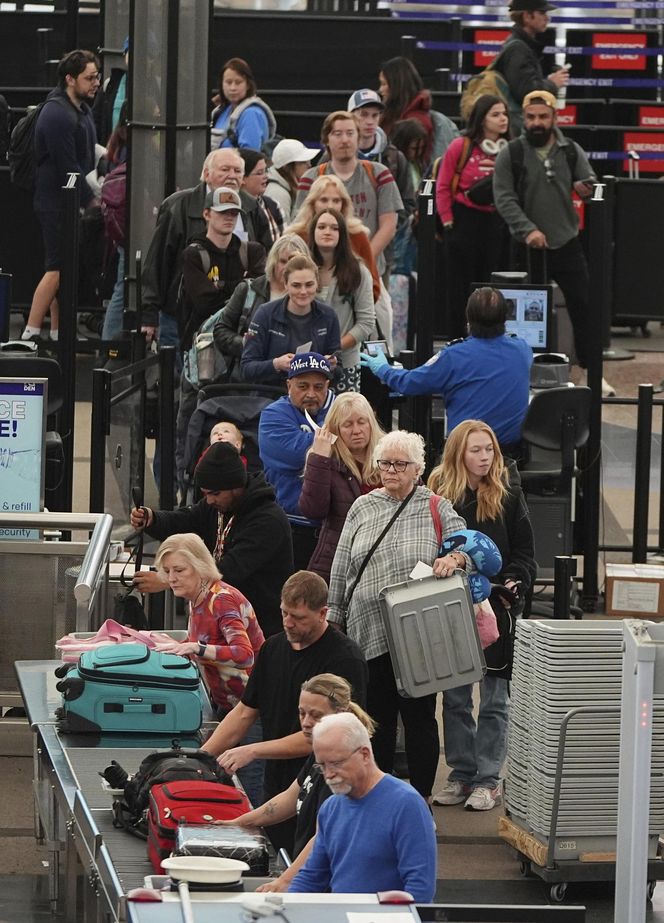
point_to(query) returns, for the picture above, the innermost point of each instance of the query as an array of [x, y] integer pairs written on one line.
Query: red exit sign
[[621, 42], [652, 142], [485, 37], [651, 116], [567, 116]]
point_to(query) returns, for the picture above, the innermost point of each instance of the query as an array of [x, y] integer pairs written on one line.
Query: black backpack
[[129, 812], [21, 151]]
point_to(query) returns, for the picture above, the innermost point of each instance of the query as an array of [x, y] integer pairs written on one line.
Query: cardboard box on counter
[[635, 590]]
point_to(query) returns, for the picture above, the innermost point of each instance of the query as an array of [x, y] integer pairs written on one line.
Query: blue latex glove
[[375, 363]]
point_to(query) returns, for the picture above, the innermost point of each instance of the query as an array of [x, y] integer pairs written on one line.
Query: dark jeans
[[419, 721], [476, 247], [568, 267]]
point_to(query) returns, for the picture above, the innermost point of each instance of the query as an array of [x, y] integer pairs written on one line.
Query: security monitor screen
[[529, 313]]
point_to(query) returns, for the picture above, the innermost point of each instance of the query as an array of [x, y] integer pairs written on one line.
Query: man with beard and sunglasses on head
[[533, 182]]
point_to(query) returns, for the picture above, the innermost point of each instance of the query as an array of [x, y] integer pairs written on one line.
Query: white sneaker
[[607, 389], [483, 799], [452, 792]]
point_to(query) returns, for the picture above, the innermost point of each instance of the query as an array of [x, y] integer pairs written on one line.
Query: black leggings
[[419, 720], [476, 247]]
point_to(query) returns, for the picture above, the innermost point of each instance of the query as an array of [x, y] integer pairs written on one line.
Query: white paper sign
[[635, 596]]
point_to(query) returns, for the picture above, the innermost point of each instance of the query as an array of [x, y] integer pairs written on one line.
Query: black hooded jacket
[[258, 549]]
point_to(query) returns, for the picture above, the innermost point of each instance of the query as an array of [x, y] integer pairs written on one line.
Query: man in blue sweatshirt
[[65, 138], [377, 834], [285, 435]]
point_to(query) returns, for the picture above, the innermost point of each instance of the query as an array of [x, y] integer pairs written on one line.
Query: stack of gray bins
[[559, 666]]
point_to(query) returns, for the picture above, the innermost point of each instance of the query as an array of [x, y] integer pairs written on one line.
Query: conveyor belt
[[86, 764], [129, 853]]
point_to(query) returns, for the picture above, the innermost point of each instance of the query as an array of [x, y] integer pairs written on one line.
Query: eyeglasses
[[549, 171], [334, 764], [399, 466], [258, 173]]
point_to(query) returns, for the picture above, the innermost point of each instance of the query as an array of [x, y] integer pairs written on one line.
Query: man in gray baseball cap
[[367, 108]]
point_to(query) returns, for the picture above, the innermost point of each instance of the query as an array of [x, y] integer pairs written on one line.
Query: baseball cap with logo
[[310, 362], [223, 199], [365, 97]]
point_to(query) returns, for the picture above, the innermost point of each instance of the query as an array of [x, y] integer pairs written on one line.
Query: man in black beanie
[[242, 525]]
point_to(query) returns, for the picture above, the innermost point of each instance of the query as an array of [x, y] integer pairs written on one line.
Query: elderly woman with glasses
[[386, 533]]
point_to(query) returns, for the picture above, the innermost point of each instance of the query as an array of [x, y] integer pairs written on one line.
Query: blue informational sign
[[22, 433]]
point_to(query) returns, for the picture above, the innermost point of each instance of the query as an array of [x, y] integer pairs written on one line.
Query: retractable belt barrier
[[550, 49]]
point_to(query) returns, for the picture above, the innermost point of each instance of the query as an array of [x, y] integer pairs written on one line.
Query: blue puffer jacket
[[284, 438], [270, 335], [484, 554]]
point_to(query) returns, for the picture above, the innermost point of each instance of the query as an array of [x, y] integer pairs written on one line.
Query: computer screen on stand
[[529, 312]]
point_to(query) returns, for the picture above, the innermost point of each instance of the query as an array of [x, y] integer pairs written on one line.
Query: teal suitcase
[[127, 688]]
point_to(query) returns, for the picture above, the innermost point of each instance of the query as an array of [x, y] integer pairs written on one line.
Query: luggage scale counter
[[73, 817]]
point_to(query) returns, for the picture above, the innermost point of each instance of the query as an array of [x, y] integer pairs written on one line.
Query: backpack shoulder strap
[[517, 156], [464, 157], [322, 168], [368, 169], [572, 155], [244, 255]]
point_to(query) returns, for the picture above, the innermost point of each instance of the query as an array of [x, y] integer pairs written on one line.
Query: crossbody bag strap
[[369, 554]]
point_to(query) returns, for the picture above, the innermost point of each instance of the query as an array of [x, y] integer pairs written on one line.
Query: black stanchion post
[[642, 474], [172, 98], [599, 259], [564, 568], [443, 78], [406, 407], [99, 430], [43, 34], [408, 43], [68, 302], [139, 290], [456, 36], [72, 25], [167, 427], [426, 292]]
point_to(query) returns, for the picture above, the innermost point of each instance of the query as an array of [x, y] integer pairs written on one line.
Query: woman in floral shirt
[[223, 634]]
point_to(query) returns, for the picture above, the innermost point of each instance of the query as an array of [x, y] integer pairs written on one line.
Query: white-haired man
[[377, 834], [179, 219]]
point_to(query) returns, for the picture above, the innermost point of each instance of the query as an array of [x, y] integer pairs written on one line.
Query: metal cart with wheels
[[564, 749], [543, 858]]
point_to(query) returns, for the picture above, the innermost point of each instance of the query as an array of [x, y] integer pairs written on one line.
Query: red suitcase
[[175, 803]]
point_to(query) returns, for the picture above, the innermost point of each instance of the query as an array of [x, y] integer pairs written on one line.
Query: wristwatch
[[201, 649]]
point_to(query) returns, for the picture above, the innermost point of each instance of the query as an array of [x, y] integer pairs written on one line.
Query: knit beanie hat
[[220, 468]]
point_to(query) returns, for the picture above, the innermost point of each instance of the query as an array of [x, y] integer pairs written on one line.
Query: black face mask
[[538, 136]]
